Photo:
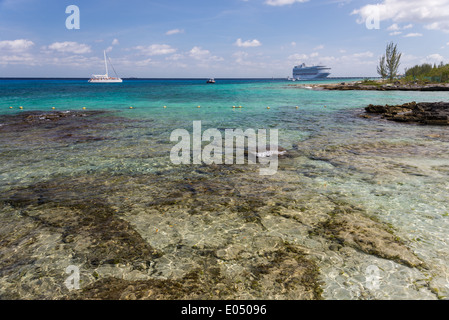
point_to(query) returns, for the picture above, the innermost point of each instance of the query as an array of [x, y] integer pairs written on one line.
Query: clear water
[[391, 173]]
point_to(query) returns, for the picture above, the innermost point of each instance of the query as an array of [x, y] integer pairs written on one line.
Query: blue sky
[[227, 38]]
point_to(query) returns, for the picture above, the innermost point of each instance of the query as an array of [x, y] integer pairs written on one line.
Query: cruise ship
[[302, 72]]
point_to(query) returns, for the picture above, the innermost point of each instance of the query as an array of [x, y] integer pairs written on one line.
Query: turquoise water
[[346, 178]]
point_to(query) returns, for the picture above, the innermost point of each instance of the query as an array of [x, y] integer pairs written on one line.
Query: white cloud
[[174, 31], [70, 47], [175, 57], [435, 58], [143, 63], [115, 42], [156, 49], [412, 35], [19, 45], [367, 54], [298, 56], [279, 3], [18, 59], [320, 47], [197, 52], [434, 14], [393, 27], [203, 55], [240, 57], [248, 43]]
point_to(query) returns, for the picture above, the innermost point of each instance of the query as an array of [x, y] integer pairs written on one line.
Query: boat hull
[[312, 77], [106, 81]]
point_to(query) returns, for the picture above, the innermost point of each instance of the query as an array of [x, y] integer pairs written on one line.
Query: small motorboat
[[211, 80]]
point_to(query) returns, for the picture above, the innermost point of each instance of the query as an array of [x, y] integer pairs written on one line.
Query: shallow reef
[[94, 194]]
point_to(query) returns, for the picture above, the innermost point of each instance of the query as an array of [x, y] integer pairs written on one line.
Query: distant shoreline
[[379, 86]]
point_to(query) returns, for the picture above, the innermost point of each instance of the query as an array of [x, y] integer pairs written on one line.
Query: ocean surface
[[357, 210]]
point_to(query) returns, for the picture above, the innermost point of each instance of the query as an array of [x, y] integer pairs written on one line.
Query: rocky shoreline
[[426, 113], [345, 86]]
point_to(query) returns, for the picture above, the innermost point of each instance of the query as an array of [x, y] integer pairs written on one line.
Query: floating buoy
[[165, 107], [131, 107], [268, 108], [297, 107], [325, 106], [199, 107], [233, 107], [240, 107], [10, 107], [84, 108], [21, 108], [53, 108]]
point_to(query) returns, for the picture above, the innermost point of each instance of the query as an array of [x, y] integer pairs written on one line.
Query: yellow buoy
[[199, 106], [84, 108], [297, 107], [53, 108], [10, 107], [131, 107], [20, 107], [240, 107], [233, 107], [268, 108], [165, 107]]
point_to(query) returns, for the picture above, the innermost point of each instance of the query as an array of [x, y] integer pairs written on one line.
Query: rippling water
[[95, 188]]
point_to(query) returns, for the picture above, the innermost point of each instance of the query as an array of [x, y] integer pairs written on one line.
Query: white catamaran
[[105, 78]]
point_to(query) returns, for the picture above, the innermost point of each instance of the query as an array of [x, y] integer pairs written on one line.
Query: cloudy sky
[[209, 38]]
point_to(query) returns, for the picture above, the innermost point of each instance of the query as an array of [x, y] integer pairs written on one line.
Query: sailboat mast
[[106, 64]]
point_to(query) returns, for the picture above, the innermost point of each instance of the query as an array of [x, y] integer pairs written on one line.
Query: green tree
[[382, 68], [389, 63]]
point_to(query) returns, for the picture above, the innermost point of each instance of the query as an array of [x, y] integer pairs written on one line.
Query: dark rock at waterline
[[64, 127], [428, 113], [379, 86], [38, 117]]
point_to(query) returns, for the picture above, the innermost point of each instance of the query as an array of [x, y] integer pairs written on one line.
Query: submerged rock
[[348, 226]]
